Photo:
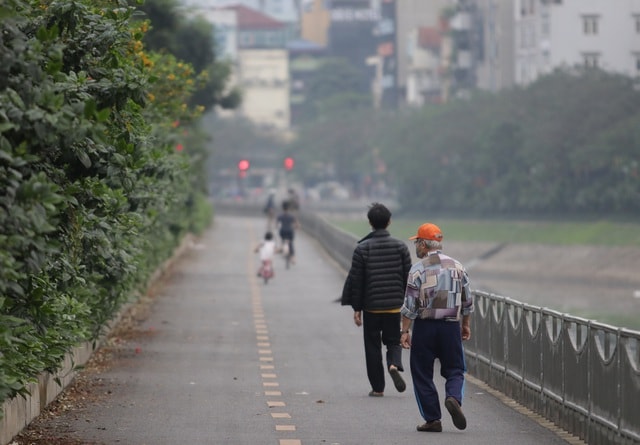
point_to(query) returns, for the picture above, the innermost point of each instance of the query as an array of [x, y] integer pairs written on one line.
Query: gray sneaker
[[435, 426], [398, 381]]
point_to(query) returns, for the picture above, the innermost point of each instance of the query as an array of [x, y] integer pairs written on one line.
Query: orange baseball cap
[[429, 231]]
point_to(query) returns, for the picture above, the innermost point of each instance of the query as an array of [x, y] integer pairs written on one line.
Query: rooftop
[[251, 19]]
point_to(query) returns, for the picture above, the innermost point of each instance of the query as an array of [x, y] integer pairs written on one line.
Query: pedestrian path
[[224, 359]]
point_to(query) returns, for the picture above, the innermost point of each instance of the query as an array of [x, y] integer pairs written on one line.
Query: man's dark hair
[[379, 216]]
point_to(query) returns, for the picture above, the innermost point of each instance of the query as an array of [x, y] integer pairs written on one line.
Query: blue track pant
[[442, 340]]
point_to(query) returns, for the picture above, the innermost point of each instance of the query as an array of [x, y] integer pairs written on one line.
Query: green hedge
[[93, 193]]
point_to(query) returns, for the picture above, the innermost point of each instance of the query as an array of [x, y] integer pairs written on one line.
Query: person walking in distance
[[270, 209], [439, 304], [375, 290]]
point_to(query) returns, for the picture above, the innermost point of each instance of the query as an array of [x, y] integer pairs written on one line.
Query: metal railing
[[582, 375]]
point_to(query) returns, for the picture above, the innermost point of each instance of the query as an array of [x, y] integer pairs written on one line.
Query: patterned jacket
[[437, 288]]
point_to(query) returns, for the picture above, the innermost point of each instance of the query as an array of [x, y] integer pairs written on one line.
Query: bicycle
[[266, 271]]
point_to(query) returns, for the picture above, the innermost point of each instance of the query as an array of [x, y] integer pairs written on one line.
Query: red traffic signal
[[288, 163], [243, 165]]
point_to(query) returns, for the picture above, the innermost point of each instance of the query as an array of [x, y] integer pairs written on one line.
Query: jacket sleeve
[[345, 299], [406, 265], [357, 279]]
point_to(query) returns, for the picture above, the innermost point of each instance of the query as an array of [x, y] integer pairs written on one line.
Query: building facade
[[315, 21], [261, 67], [263, 75], [305, 58], [496, 70], [565, 33], [411, 16]]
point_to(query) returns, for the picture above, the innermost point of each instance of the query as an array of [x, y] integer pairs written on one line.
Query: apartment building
[[256, 46], [418, 51], [558, 33], [496, 69], [419, 27]]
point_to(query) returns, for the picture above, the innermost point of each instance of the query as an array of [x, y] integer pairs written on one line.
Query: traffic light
[[288, 163], [243, 166]]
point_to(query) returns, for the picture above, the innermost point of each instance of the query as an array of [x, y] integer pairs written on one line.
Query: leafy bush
[[93, 192]]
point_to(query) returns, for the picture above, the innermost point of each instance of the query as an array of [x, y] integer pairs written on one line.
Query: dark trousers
[[381, 329], [442, 340], [288, 235]]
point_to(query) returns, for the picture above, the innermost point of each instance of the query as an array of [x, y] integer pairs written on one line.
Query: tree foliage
[[236, 139], [190, 40], [568, 144], [548, 148], [339, 147]]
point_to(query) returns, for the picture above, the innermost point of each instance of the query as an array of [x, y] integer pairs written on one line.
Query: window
[[636, 19], [591, 60], [636, 58], [590, 24]]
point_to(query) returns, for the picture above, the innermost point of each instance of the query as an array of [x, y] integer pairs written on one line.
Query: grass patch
[[510, 231], [628, 321]]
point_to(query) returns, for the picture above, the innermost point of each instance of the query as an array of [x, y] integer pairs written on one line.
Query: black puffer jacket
[[379, 270]]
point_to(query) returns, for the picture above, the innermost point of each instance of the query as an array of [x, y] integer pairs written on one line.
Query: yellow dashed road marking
[[290, 442], [272, 393], [265, 354]]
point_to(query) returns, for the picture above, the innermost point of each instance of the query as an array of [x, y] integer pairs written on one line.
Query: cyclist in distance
[[287, 224]]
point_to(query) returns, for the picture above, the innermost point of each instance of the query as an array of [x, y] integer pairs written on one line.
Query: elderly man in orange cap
[[438, 303]]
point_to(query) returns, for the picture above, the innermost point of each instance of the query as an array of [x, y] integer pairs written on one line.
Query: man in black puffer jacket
[[376, 284]]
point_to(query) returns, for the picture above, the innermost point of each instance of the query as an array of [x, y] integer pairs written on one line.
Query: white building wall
[[531, 38], [615, 41], [423, 77], [264, 78]]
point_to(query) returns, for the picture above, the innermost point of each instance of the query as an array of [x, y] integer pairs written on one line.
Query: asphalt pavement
[[223, 358]]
